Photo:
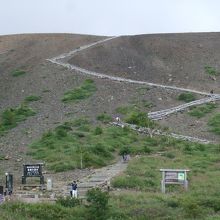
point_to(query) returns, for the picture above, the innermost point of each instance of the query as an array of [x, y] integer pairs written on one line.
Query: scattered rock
[[19, 159], [7, 157]]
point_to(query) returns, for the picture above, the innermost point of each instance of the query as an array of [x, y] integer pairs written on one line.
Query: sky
[[109, 17]]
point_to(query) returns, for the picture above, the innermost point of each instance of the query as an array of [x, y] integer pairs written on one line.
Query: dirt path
[[101, 177], [97, 178]]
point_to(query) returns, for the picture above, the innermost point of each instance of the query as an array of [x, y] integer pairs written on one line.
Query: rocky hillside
[[184, 60]]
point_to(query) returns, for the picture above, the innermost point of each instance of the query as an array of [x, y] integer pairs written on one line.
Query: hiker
[[117, 119], [124, 157], [73, 192], [108, 185]]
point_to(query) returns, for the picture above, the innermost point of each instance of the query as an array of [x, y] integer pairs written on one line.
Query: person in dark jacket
[[73, 193]]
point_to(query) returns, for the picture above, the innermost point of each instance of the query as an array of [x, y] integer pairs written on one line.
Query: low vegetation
[[17, 73], [133, 115], [211, 71], [32, 98], [139, 196], [201, 111], [187, 97], [143, 177], [12, 116], [214, 124], [63, 148], [105, 118], [96, 207], [86, 90]]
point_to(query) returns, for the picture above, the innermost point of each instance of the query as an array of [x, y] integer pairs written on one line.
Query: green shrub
[[32, 98], [105, 118], [169, 155], [124, 109], [187, 97], [68, 202], [80, 122], [140, 119], [191, 208], [211, 71], [98, 203], [202, 110], [143, 90], [45, 211], [16, 73], [147, 149], [98, 131], [12, 116], [125, 150], [214, 123], [86, 90]]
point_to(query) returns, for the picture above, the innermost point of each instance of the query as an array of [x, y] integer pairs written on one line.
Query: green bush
[[68, 202], [16, 73], [211, 71], [191, 208], [32, 98], [98, 203], [140, 119], [214, 123], [202, 110], [187, 97], [105, 118], [98, 131], [86, 90], [45, 211], [12, 116], [125, 109]]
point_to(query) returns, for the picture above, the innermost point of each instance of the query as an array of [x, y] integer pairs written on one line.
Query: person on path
[[74, 189]]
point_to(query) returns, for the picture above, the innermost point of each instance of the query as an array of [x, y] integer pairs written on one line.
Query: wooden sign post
[[174, 176]]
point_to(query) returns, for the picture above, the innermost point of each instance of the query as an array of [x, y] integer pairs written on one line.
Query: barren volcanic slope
[[174, 59], [170, 59]]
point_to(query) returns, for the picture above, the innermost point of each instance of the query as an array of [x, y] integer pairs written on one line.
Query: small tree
[[98, 203]]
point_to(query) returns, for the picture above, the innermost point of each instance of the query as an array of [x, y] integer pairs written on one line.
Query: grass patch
[[211, 71], [46, 211], [142, 198], [201, 111], [86, 90], [214, 123], [17, 73], [143, 90], [12, 116], [124, 110], [187, 97], [140, 119], [63, 147], [32, 98], [143, 176], [105, 118], [133, 115]]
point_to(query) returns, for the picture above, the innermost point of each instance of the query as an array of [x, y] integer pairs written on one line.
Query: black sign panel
[[32, 170], [1, 190]]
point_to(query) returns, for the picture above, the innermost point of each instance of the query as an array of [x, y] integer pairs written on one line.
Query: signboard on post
[[8, 183], [32, 170], [174, 176]]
